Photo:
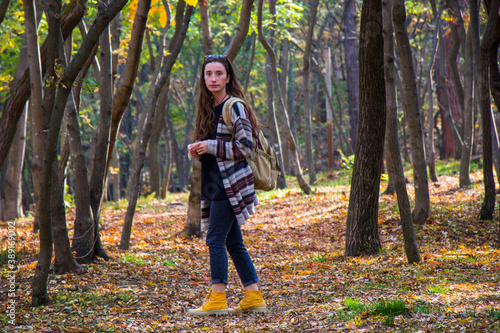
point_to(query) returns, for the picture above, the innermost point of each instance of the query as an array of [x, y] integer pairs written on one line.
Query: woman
[[227, 191]]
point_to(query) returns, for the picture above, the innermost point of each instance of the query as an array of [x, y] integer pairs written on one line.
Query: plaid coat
[[236, 174]]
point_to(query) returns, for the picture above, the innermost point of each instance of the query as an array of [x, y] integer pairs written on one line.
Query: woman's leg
[[220, 222], [241, 258]]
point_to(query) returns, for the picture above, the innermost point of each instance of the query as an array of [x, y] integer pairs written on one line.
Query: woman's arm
[[241, 145]]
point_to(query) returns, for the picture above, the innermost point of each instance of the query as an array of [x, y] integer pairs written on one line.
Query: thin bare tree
[[281, 105], [394, 156], [421, 210]]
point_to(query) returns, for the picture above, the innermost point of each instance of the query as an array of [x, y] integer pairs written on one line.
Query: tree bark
[[488, 205], [458, 41], [168, 167], [123, 91], [84, 222], [362, 216], [64, 261], [151, 109], [4, 5], [52, 9], [444, 96], [349, 18], [207, 43], [39, 285], [283, 78], [421, 210], [100, 157], [12, 182], [394, 156], [35, 71], [250, 64], [288, 133], [272, 120], [154, 151], [494, 69], [242, 30], [468, 120], [192, 228], [431, 154], [307, 109]]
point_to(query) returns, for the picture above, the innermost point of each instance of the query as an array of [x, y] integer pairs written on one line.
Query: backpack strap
[[226, 111]]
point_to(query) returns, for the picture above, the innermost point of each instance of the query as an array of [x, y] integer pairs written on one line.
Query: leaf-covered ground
[[296, 242]]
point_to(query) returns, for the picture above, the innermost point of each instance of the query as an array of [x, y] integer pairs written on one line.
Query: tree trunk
[[100, 157], [488, 205], [394, 157], [283, 78], [291, 140], [431, 154], [39, 285], [35, 71], [468, 120], [362, 216], [121, 96], [242, 30], [192, 228], [4, 5], [422, 202], [445, 97], [307, 109], [177, 153], [154, 144], [349, 18], [168, 166], [64, 261], [84, 228], [12, 182], [494, 69], [63, 258], [151, 110], [272, 120], [52, 9], [458, 41], [250, 64], [207, 43], [115, 175]]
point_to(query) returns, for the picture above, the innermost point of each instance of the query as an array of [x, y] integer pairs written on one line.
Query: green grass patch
[[168, 263], [130, 258], [352, 309], [494, 314], [394, 307], [452, 166], [439, 289], [4, 257], [318, 257]]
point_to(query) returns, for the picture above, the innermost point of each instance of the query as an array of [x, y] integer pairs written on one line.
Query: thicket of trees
[[97, 103]]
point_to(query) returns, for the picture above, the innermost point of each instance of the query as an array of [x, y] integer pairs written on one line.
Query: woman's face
[[216, 77]]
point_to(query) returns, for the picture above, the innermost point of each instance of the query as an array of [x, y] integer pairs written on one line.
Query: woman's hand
[[198, 148]]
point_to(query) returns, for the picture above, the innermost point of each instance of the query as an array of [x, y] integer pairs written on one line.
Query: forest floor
[[296, 242]]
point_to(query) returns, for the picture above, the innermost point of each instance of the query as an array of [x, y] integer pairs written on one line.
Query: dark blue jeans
[[224, 233]]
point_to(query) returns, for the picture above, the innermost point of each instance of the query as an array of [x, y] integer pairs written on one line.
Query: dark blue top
[[212, 187]]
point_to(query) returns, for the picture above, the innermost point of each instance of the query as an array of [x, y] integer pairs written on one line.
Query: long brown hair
[[205, 99]]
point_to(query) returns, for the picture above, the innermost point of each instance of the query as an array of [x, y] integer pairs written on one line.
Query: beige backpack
[[263, 161]]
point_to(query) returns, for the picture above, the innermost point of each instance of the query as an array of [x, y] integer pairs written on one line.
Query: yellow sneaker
[[215, 305], [252, 302]]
